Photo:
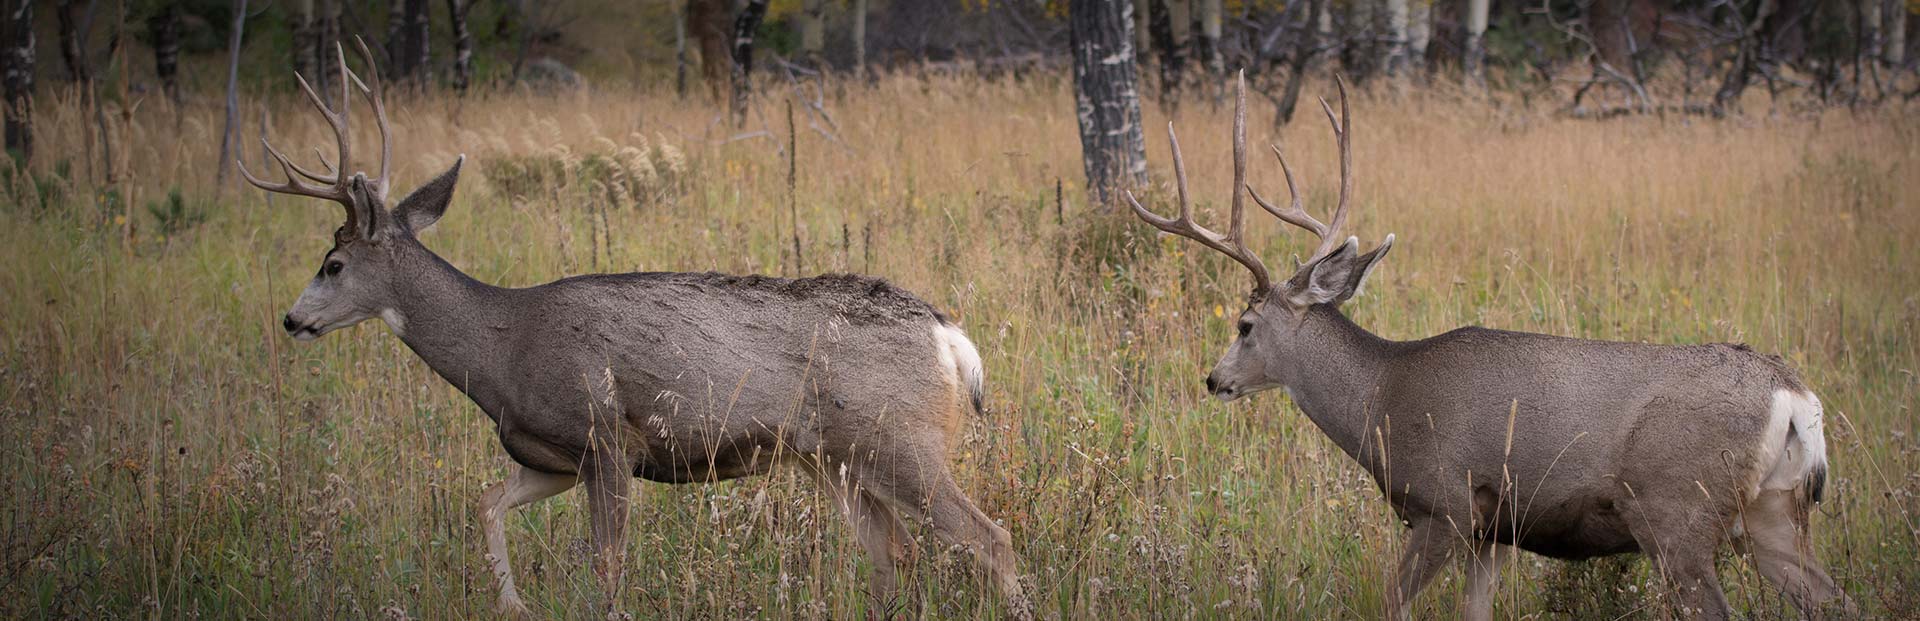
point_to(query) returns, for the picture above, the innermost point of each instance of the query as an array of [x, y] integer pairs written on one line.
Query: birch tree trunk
[[306, 32], [1180, 19], [1142, 30], [16, 71], [1358, 56], [328, 36], [709, 20], [1419, 33], [396, 40], [1210, 28], [1322, 27], [743, 29], [1303, 57], [813, 31], [1161, 21], [860, 37], [418, 49], [1180, 26], [1895, 25], [463, 45], [1870, 27], [164, 27], [1106, 95], [227, 131], [67, 15], [1393, 49], [679, 49], [1474, 55]]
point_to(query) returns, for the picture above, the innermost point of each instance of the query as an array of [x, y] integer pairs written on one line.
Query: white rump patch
[[958, 356], [395, 321], [1795, 442]]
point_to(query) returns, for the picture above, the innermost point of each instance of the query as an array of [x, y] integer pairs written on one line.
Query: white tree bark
[[1181, 11], [1210, 28], [679, 49], [1358, 38], [1895, 25], [813, 29], [16, 62], [1107, 96], [229, 136], [462, 71], [1142, 41], [1393, 50], [1475, 54], [1419, 32]]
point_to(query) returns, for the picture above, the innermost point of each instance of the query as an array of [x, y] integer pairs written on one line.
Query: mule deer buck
[[670, 377], [1484, 439]]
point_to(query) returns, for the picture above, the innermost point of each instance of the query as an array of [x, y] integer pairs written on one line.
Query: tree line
[[1595, 58]]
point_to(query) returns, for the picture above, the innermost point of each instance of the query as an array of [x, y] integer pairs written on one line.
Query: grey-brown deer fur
[[1483, 439], [676, 377]]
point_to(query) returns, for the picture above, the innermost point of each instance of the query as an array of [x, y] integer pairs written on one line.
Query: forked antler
[[1232, 244], [336, 179], [1329, 234]]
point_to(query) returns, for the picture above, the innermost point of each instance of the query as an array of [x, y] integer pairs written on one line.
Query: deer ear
[[424, 206], [1334, 278]]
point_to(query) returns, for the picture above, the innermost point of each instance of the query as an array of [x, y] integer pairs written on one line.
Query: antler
[[1232, 244], [336, 179], [1329, 234]]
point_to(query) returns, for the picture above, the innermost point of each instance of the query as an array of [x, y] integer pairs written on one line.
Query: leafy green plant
[[174, 214]]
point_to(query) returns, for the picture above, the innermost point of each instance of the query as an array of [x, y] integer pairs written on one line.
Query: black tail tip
[[1817, 483]]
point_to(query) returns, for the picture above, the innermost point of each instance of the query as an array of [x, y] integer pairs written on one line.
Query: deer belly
[[1573, 531], [694, 461]]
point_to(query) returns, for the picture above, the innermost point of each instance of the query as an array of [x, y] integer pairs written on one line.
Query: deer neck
[[450, 320], [1336, 383]]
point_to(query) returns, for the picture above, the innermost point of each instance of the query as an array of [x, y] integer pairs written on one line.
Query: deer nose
[[288, 323], [1211, 388]]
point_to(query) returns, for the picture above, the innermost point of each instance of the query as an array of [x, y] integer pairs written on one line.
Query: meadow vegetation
[[169, 452]]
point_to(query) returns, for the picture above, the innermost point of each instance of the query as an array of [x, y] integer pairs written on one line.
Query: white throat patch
[[395, 321]]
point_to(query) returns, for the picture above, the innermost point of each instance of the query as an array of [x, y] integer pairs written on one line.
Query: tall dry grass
[[168, 452]]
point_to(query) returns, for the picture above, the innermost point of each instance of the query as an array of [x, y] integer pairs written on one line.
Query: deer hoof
[[511, 607]]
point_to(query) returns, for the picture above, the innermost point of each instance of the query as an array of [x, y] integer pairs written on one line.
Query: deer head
[[1277, 332], [369, 262]]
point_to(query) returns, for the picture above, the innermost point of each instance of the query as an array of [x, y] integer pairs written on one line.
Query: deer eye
[[1246, 327], [333, 268]]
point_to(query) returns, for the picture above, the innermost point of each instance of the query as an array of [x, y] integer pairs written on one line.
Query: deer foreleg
[[1428, 546], [521, 487]]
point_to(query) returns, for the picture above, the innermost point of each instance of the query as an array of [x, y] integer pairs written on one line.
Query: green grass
[[169, 452]]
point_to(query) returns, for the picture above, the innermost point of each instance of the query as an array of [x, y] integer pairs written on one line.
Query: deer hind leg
[[881, 534], [1483, 569], [1682, 543], [608, 477], [928, 492], [1776, 531], [522, 486], [1428, 546]]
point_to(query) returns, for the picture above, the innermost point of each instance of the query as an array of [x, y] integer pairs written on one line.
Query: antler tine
[[1236, 225], [1179, 175], [373, 95], [1294, 214], [293, 184], [1184, 226], [1342, 130], [335, 172], [334, 179], [334, 120]]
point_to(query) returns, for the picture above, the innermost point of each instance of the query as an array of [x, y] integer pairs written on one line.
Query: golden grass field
[[170, 453]]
